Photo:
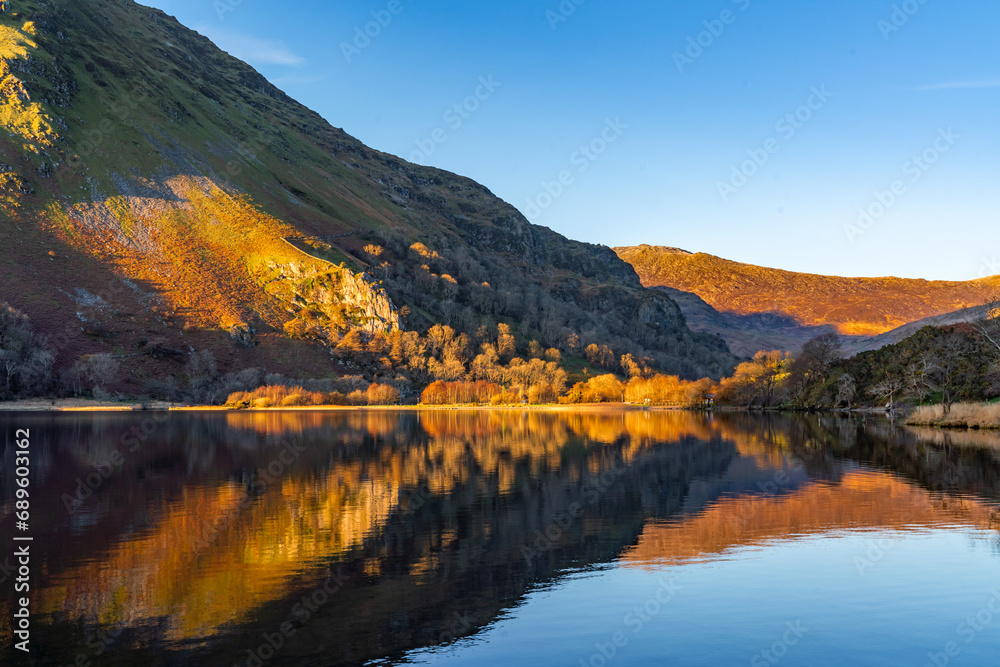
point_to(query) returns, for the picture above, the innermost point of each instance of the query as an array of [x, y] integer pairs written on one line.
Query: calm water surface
[[505, 538]]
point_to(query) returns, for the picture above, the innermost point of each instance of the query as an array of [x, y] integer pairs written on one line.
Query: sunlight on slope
[[18, 114], [220, 262]]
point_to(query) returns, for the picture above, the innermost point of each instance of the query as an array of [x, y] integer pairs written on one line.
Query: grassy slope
[[182, 170], [855, 306]]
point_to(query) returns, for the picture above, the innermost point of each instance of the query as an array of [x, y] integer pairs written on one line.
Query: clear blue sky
[[889, 91]]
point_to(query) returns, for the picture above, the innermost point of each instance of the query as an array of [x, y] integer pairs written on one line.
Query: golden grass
[[855, 306], [18, 114], [962, 415]]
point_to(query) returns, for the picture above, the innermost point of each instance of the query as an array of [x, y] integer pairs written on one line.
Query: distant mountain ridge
[[757, 307]]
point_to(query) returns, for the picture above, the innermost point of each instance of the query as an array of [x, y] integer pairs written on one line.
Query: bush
[[294, 401], [288, 397], [382, 394]]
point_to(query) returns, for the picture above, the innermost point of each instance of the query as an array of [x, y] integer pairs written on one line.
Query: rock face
[[327, 302]]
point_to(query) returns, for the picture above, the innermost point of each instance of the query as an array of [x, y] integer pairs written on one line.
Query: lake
[[504, 538]]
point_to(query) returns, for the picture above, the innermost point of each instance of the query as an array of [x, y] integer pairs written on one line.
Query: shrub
[[382, 394], [280, 395]]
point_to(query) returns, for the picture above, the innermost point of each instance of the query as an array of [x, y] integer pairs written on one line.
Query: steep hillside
[[158, 197], [853, 306], [747, 334]]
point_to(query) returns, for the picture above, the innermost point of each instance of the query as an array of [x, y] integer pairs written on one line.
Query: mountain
[[755, 308], [899, 334], [159, 197]]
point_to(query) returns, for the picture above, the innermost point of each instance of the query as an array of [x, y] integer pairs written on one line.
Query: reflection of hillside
[[860, 501], [429, 513], [211, 558]]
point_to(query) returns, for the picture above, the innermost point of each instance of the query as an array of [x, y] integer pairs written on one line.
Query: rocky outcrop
[[328, 301]]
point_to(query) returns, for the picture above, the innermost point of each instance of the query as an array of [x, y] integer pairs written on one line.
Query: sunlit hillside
[[801, 305], [158, 196]]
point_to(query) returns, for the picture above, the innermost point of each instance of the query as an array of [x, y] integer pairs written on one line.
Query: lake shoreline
[[81, 405]]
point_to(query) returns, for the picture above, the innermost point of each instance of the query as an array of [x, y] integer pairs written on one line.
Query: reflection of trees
[[429, 512]]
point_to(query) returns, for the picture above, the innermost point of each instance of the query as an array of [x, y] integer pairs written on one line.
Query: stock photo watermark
[[365, 34], [714, 29], [913, 169], [773, 654], [302, 612], [132, 439], [990, 267], [635, 620], [877, 549], [563, 12], [970, 628], [787, 127], [561, 522], [223, 7], [455, 116], [900, 16], [582, 159]]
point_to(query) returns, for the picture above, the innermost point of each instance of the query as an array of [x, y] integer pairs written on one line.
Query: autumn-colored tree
[[506, 346], [574, 344], [600, 389], [636, 367], [459, 393], [352, 343], [756, 383], [662, 390], [601, 355], [382, 394]]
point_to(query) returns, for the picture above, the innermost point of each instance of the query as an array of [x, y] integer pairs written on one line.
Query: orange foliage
[[457, 393], [601, 389], [666, 390], [281, 396]]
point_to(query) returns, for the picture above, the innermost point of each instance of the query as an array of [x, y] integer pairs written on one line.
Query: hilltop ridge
[[742, 302]]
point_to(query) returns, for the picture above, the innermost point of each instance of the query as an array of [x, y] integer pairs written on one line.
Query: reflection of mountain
[[859, 501], [428, 515]]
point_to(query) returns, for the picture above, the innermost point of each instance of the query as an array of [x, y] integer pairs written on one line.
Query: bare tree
[[942, 367], [988, 326], [25, 357], [846, 389], [887, 389], [99, 369]]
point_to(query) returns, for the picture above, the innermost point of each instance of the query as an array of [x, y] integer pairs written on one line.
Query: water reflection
[[373, 533]]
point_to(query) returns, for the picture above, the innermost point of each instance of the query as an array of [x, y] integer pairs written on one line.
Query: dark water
[[504, 538]]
